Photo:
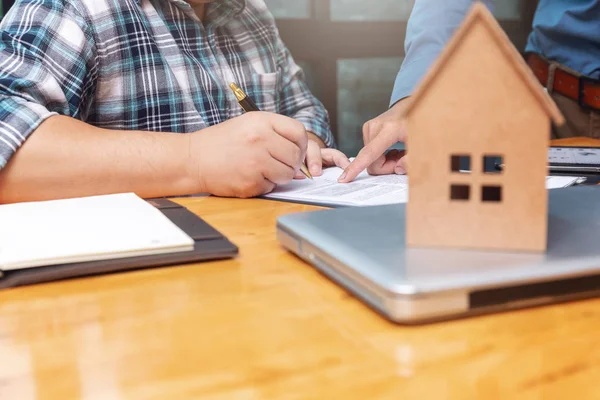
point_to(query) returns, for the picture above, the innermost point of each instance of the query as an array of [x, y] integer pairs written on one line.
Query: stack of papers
[[366, 190], [85, 229]]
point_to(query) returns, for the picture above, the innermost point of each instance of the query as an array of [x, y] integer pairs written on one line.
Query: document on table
[[559, 182], [324, 190], [366, 190], [85, 229]]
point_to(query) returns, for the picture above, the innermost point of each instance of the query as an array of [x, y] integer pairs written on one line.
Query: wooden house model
[[479, 105]]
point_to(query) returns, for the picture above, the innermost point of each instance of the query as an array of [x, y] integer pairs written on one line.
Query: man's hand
[[379, 135], [249, 155], [319, 156]]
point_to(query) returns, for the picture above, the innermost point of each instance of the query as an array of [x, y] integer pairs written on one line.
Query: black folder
[[210, 245]]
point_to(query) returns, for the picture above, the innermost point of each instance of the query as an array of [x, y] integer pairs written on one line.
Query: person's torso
[[160, 69], [568, 32]]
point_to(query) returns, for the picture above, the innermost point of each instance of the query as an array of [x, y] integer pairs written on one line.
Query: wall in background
[[351, 51]]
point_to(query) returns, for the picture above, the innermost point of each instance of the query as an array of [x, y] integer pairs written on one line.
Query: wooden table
[[577, 142], [267, 326]]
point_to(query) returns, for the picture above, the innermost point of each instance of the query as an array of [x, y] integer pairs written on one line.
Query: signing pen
[[249, 105]]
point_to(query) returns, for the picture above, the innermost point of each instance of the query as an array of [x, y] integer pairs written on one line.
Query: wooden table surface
[[577, 142], [267, 326]]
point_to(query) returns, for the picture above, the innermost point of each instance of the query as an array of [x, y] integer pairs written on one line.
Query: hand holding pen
[[249, 105]]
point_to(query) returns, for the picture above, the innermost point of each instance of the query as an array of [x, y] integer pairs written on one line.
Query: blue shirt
[[566, 31]]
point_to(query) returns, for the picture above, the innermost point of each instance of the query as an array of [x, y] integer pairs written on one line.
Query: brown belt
[[583, 90]]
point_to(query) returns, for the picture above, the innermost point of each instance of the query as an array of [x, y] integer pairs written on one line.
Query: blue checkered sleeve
[[298, 102], [46, 59]]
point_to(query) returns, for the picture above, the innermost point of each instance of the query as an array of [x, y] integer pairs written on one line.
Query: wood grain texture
[[267, 326]]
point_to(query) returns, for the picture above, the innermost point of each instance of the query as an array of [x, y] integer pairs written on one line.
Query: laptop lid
[[364, 250]]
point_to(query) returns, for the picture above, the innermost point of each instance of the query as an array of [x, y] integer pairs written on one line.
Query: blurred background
[[351, 52]]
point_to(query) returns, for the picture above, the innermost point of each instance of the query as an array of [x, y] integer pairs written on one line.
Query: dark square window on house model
[[493, 164], [491, 194], [460, 163], [460, 192]]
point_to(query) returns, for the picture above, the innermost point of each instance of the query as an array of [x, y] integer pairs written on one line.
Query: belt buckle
[[582, 81]]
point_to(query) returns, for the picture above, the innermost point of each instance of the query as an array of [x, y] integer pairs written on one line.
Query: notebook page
[[85, 229]]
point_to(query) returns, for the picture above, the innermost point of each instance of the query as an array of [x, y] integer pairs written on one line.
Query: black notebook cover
[[210, 245]]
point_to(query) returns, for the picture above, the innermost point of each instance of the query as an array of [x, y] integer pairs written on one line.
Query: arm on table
[[65, 158], [243, 157]]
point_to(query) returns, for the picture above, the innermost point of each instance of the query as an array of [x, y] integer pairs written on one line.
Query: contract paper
[[366, 190]]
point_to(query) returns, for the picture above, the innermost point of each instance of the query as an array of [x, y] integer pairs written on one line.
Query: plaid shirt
[[145, 65]]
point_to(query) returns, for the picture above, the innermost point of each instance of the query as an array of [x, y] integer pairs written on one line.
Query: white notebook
[[85, 229]]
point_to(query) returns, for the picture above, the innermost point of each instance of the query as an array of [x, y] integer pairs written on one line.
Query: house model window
[[460, 192], [493, 164], [460, 163], [491, 194]]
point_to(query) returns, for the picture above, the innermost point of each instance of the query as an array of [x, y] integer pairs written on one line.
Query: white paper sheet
[[85, 229], [325, 190], [559, 182], [366, 190]]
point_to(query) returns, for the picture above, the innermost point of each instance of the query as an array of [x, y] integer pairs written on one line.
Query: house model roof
[[479, 14]]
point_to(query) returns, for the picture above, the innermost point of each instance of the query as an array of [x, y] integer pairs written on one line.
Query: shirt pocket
[[265, 91]]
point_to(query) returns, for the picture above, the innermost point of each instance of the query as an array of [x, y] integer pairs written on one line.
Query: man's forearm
[[68, 158]]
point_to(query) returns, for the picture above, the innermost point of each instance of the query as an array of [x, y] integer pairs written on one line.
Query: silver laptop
[[363, 250]]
